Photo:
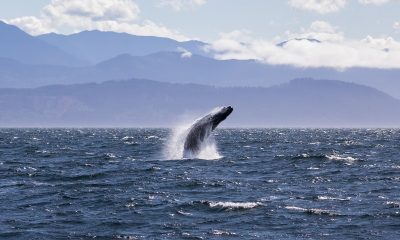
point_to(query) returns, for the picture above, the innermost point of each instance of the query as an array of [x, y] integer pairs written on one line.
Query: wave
[[338, 157], [314, 211], [127, 138], [152, 137], [333, 198], [223, 233], [334, 157], [232, 205], [180, 212], [393, 204], [26, 169], [308, 156]]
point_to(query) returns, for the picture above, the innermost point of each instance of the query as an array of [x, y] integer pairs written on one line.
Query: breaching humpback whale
[[201, 130]]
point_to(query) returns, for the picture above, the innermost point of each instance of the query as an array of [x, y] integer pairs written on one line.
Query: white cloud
[[184, 53], [179, 5], [396, 25], [374, 2], [334, 53], [68, 16], [319, 30], [31, 24], [319, 6]]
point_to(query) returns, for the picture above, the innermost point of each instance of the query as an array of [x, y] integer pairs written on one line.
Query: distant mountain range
[[96, 46], [172, 67], [64, 80], [94, 56], [20, 46], [132, 103]]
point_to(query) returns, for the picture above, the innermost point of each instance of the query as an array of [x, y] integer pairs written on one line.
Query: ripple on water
[[114, 183]]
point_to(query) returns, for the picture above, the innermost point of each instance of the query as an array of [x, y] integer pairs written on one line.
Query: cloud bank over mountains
[[319, 45]]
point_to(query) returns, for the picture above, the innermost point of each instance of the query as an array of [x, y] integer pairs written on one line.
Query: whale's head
[[220, 116]]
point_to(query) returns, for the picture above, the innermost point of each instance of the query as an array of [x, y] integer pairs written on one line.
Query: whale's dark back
[[202, 129]]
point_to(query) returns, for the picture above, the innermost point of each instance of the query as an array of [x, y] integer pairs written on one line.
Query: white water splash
[[175, 144]]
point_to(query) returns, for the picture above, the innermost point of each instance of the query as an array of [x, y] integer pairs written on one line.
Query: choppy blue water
[[269, 184]]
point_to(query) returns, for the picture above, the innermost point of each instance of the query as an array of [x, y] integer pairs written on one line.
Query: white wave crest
[[127, 138], [223, 233], [333, 198], [337, 157], [234, 205], [315, 211], [393, 204]]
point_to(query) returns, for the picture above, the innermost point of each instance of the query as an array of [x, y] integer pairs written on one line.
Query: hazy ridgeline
[[132, 103], [186, 82]]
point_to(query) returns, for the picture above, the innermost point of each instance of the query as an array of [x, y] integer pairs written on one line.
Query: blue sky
[[242, 29]]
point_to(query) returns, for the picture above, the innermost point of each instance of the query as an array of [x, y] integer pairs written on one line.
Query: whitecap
[[42, 151], [315, 211], [393, 204], [152, 137], [110, 155], [295, 208], [184, 213], [272, 181], [333, 198], [313, 168], [127, 138], [126, 237], [26, 169], [233, 205], [223, 233], [130, 205], [337, 157]]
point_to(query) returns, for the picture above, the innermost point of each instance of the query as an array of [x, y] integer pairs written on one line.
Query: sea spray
[[175, 145]]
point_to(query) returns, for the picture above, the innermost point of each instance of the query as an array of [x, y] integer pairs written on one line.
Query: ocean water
[[261, 184]]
